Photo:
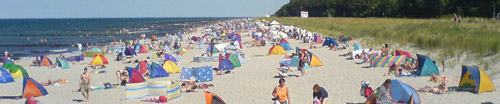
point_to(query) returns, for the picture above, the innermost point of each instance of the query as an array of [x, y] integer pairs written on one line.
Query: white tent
[[274, 23], [221, 47]]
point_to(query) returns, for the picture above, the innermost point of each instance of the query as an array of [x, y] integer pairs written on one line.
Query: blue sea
[[22, 37]]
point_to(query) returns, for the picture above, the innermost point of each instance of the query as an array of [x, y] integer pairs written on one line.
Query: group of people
[[281, 94]]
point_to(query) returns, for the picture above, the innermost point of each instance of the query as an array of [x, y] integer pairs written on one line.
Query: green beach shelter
[[16, 71], [235, 61], [62, 63], [426, 66]]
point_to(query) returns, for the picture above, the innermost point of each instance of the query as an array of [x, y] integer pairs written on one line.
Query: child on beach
[[320, 95]]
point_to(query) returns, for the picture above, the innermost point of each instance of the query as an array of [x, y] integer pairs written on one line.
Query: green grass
[[479, 36]]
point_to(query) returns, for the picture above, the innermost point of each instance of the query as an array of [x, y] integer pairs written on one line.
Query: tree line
[[391, 8]]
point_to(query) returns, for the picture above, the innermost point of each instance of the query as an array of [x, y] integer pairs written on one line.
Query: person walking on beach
[[280, 93], [85, 84], [320, 96]]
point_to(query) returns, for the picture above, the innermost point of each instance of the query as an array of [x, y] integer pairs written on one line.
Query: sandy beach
[[252, 83]]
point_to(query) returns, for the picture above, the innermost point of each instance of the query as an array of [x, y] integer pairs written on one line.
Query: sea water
[[26, 37]]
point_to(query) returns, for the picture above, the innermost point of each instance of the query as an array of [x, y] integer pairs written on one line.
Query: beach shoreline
[[252, 83]]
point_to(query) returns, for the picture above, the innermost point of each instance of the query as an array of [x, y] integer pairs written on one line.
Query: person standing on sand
[[85, 84], [280, 93]]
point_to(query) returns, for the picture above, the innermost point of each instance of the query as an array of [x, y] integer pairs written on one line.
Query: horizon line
[[122, 17]]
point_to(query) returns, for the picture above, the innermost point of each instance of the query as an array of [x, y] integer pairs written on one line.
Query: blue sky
[[137, 8]]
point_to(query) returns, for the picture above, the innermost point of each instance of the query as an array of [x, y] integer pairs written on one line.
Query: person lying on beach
[[53, 82], [436, 78], [312, 46], [283, 70], [122, 76], [188, 85], [289, 56], [440, 89]]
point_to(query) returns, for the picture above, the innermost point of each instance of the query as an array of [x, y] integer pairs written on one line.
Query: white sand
[[250, 84]]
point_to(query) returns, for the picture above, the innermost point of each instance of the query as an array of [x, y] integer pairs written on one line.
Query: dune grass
[[475, 35]]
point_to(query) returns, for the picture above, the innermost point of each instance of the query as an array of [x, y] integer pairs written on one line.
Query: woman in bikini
[[85, 84], [280, 93]]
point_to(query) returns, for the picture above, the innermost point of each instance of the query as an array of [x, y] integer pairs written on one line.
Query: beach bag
[[368, 91], [162, 99]]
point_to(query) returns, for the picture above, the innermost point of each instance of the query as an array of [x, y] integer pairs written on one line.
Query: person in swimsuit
[[85, 84], [280, 92], [122, 76]]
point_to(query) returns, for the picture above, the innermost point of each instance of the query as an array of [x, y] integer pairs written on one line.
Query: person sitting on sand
[[393, 70], [320, 95], [440, 89], [280, 93], [407, 67], [383, 92], [122, 76], [385, 50], [436, 78], [35, 62]]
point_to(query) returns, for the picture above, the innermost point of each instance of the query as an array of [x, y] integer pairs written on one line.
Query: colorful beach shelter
[[137, 47], [399, 91], [317, 39], [171, 67], [295, 61], [181, 51], [475, 80], [31, 88], [400, 52], [143, 49], [130, 52], [16, 71], [135, 76], [7, 61], [44, 61], [234, 60], [5, 76], [62, 63], [315, 60], [170, 57], [426, 66], [329, 42], [211, 98], [225, 63], [99, 60], [286, 46], [142, 67], [157, 71], [276, 50], [212, 49]]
